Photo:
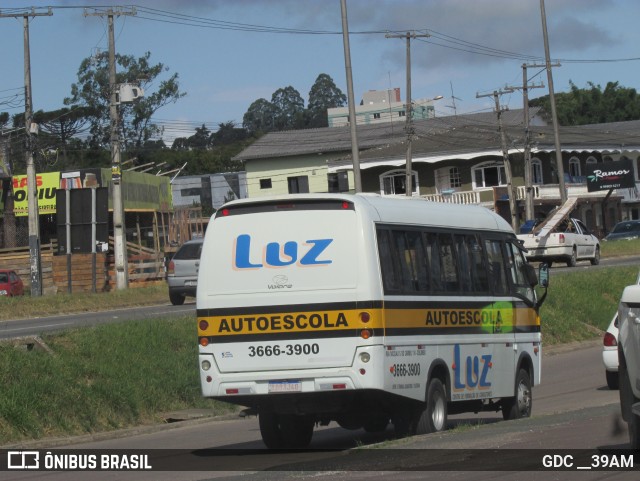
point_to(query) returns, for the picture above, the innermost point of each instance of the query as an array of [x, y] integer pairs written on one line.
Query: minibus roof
[[401, 210]]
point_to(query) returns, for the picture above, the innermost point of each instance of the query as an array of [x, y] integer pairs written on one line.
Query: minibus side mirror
[[543, 275]]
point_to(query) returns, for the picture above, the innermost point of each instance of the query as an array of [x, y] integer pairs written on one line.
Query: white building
[[211, 190], [379, 106]]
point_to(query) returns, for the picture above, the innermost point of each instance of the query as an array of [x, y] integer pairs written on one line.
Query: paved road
[[572, 409], [29, 327]]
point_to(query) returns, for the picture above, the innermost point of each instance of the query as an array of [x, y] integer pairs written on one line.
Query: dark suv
[[182, 274]]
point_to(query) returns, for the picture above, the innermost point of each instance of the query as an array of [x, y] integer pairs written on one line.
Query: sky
[[229, 53]]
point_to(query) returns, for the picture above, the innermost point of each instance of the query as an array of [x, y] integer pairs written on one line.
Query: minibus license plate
[[285, 386]]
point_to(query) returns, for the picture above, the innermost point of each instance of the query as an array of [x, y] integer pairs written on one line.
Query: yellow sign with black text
[[46, 186]]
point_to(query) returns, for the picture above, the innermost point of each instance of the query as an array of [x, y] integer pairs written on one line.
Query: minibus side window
[[517, 267], [449, 273], [388, 262], [419, 265], [407, 271], [497, 268], [472, 268], [432, 251]]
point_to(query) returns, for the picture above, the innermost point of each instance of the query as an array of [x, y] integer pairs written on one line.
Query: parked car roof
[[628, 229]]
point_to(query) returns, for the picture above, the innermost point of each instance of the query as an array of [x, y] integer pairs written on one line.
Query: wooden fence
[[76, 272], [19, 260]]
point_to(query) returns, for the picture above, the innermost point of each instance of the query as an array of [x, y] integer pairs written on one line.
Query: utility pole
[[552, 101], [513, 206], [408, 110], [32, 189], [355, 155], [528, 175], [119, 236]]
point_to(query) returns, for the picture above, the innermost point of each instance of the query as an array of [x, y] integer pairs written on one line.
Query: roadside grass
[[581, 303], [100, 378], [620, 248], [126, 374], [26, 307]]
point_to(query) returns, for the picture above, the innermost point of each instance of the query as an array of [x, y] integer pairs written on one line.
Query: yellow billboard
[[46, 184]]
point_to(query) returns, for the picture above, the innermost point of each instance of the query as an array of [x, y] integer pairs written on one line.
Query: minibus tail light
[[204, 341], [366, 333]]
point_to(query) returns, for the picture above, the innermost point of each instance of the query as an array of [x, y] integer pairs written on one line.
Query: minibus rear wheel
[[434, 417]]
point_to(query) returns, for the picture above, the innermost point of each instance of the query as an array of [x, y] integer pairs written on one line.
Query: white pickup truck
[[569, 242], [629, 361]]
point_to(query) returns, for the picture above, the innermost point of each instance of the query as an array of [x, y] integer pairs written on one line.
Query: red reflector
[[232, 391], [209, 379], [365, 316], [363, 371], [203, 325], [610, 339], [339, 386]]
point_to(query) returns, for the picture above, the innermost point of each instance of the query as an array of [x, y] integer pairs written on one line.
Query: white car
[[610, 353], [629, 358]]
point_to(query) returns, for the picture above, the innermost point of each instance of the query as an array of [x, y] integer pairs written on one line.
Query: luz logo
[[470, 374], [276, 255]]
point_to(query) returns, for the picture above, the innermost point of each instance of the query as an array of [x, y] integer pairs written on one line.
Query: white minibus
[[366, 311]]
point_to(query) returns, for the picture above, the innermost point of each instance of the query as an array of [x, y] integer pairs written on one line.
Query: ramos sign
[[610, 175]]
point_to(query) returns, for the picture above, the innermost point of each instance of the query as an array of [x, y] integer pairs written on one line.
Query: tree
[[200, 140], [324, 95], [228, 133], [61, 126], [286, 109], [92, 91], [260, 117], [593, 105], [289, 108]]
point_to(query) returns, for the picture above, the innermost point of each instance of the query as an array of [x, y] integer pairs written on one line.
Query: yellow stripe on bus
[[493, 318], [290, 322]]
